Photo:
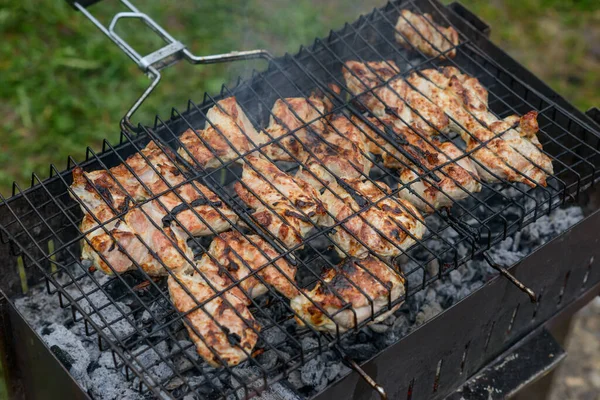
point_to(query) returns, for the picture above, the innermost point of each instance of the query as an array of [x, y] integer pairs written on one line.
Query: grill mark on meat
[[303, 204], [170, 217], [232, 266], [396, 233], [104, 192], [388, 208], [233, 338], [293, 214], [356, 196], [397, 137], [124, 208]]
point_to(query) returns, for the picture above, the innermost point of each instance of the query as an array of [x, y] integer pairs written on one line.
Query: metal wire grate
[[45, 213]]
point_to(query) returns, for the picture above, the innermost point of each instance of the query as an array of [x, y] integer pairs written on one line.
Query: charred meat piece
[[495, 158], [420, 32], [519, 132], [201, 213], [285, 206], [294, 116], [227, 135], [386, 226], [133, 240], [223, 329], [341, 151], [122, 234], [368, 285], [391, 96], [429, 186], [193, 206], [233, 257], [144, 174]]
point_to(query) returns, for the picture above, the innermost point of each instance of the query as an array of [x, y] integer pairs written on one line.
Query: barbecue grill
[[132, 317]]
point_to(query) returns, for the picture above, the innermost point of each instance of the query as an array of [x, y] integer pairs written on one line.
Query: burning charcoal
[[414, 304], [516, 242], [562, 219], [504, 257], [469, 273], [313, 374], [106, 360], [279, 391], [447, 293], [174, 383], [111, 385], [40, 308], [414, 277], [295, 379], [333, 370], [360, 351], [274, 336], [455, 278], [64, 357], [188, 347], [112, 321], [248, 376], [433, 267], [427, 312], [309, 343], [364, 336], [379, 328], [400, 326], [268, 359], [463, 292], [148, 356], [70, 351], [183, 362], [430, 296], [205, 384], [146, 318]]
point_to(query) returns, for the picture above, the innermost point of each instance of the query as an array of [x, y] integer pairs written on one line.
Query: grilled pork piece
[[117, 245], [130, 238], [202, 212], [387, 226], [368, 285], [228, 133], [518, 132], [420, 32], [287, 207], [233, 257], [155, 172], [495, 158], [223, 330], [452, 182], [287, 117], [341, 150], [393, 97]]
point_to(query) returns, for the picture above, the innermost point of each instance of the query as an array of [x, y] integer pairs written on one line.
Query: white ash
[[69, 350], [95, 370]]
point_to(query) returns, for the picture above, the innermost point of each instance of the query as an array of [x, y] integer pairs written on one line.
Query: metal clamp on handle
[[169, 54]]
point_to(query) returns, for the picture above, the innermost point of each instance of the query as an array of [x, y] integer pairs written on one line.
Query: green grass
[[65, 86]]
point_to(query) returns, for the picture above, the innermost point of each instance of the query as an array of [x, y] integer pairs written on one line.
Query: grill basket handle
[[172, 52]]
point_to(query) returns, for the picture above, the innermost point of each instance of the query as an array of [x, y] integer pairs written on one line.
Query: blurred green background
[[64, 86]]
